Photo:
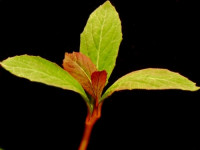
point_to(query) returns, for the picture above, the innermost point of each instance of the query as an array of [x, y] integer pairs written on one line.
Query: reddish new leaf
[[81, 68], [84, 71], [98, 83]]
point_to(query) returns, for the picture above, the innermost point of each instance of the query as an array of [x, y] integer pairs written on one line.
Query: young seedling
[[88, 71]]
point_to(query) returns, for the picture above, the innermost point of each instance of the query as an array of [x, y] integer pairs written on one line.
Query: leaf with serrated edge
[[101, 37], [81, 68], [151, 79], [98, 83], [41, 70]]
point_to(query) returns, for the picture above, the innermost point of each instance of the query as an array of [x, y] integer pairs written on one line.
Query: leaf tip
[[196, 88]]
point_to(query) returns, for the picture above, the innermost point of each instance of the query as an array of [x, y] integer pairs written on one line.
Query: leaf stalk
[[91, 119]]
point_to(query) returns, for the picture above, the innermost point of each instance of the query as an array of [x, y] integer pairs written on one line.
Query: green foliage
[[89, 71], [100, 42], [41, 70], [151, 79], [101, 37]]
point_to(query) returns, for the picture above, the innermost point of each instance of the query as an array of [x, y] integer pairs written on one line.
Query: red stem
[[89, 123]]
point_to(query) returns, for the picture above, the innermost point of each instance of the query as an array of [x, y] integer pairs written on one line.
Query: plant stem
[[89, 123]]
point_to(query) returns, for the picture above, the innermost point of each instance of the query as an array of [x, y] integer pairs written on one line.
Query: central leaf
[[101, 37]]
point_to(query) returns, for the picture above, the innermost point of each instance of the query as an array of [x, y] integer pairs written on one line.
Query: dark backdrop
[[155, 34]]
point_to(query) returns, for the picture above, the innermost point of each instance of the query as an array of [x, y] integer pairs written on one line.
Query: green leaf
[[41, 70], [151, 79], [101, 37]]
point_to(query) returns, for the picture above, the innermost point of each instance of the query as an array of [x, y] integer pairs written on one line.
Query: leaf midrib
[[100, 40], [159, 79], [40, 72], [83, 71], [86, 76], [26, 66]]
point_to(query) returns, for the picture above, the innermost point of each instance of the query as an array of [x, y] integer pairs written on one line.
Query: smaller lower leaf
[[151, 79], [98, 83]]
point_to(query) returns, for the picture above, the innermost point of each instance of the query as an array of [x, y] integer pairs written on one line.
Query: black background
[[155, 34]]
